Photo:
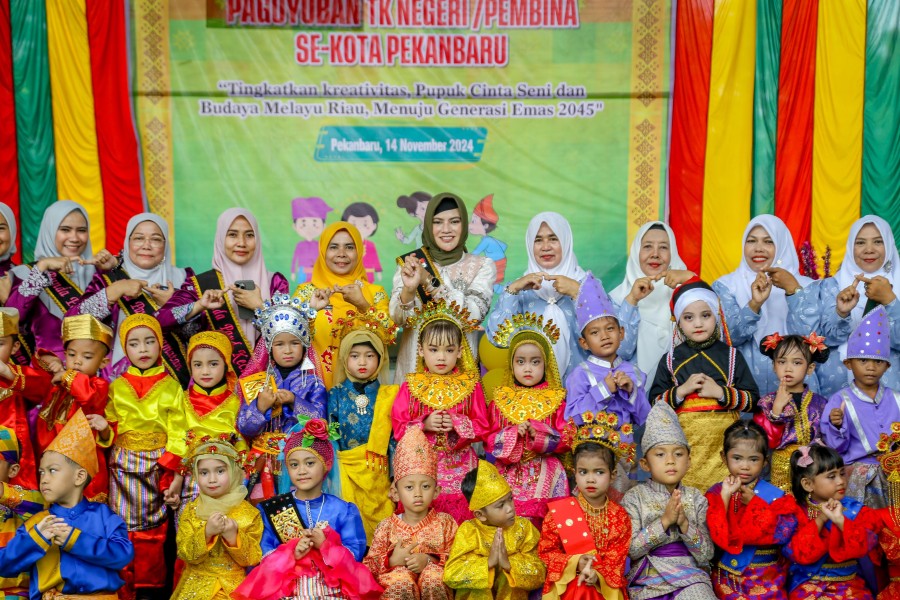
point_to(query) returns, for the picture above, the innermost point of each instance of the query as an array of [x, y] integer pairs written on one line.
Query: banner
[[312, 111]]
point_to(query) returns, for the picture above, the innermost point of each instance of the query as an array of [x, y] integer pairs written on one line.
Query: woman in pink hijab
[[225, 297]]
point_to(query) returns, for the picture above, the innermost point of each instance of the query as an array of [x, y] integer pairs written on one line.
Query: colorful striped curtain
[[787, 107]]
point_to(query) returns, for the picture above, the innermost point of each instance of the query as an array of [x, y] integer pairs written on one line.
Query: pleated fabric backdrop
[[66, 127], [789, 107]]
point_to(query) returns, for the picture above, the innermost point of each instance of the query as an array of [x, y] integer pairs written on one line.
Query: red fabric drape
[[690, 106], [116, 142], [796, 102], [9, 155]]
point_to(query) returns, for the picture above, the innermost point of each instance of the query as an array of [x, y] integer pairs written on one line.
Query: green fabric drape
[[881, 113], [34, 118], [765, 105]]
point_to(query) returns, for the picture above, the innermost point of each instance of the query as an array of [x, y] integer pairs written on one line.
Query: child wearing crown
[[288, 392], [361, 404], [526, 416], [312, 542], [889, 536], [145, 410], [75, 548], [604, 383], [409, 549], [219, 532], [444, 398]]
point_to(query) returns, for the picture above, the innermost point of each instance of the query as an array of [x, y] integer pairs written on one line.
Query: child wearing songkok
[[604, 383], [706, 380], [670, 544], [289, 391], [312, 542], [19, 387], [145, 410], [584, 540], [219, 532], [210, 408], [526, 415], [75, 548], [86, 342], [16, 506], [792, 414], [856, 416], [362, 407], [409, 549], [834, 534], [889, 534], [494, 555], [445, 399]]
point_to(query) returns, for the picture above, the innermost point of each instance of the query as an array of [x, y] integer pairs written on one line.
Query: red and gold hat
[[315, 437], [76, 442], [414, 456]]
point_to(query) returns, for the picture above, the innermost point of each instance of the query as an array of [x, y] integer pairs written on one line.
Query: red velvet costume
[[31, 385]]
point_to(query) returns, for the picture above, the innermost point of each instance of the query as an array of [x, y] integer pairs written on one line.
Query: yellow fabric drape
[[728, 174], [74, 127], [838, 123]]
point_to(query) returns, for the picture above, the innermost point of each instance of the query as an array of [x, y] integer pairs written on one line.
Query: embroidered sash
[[736, 563], [63, 291], [224, 320], [283, 515], [173, 352], [421, 255], [821, 569]]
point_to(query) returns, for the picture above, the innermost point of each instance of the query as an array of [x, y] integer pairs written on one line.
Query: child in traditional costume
[[706, 380], [526, 415], [791, 415], [75, 548], [604, 385], [17, 505], [210, 408], [312, 542], [219, 532], [20, 386], [889, 535], [670, 544], [834, 533], [585, 539], [146, 410], [445, 399], [362, 406], [409, 549], [87, 343], [749, 520], [856, 416], [494, 555], [288, 392]]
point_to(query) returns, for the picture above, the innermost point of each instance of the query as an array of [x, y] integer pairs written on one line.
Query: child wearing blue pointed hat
[[604, 386], [856, 416]]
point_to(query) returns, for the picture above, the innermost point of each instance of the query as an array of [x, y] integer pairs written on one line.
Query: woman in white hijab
[[653, 270], [550, 286], [753, 306], [144, 281], [65, 265]]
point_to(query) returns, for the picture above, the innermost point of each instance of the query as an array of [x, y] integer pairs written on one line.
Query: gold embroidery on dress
[[522, 404], [288, 525], [57, 410], [441, 392]]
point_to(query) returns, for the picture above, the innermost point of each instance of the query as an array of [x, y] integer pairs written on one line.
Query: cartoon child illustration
[[484, 221], [415, 204], [364, 217], [309, 221]]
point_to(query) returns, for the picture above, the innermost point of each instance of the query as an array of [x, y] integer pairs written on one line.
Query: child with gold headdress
[[445, 399], [494, 555], [146, 411], [219, 532], [526, 416], [288, 392], [889, 536], [20, 386], [409, 549], [361, 404], [77, 385], [75, 548]]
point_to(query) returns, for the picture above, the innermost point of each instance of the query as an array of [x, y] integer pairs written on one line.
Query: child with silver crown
[[287, 393]]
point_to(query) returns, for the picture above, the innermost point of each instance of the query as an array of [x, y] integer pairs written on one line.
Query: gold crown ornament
[[889, 445], [530, 328], [440, 310], [9, 321], [211, 446], [602, 428], [372, 320], [86, 327]]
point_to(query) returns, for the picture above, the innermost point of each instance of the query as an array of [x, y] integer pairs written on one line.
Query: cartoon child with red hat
[[309, 216], [484, 221]]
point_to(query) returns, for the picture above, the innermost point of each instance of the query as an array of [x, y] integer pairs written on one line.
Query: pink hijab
[[254, 269]]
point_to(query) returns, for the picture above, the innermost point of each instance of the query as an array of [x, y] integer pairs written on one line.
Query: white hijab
[[655, 329], [774, 311], [568, 267], [46, 248], [13, 230]]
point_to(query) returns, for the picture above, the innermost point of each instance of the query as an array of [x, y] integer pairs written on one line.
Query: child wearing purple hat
[[856, 416], [604, 383], [309, 216]]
